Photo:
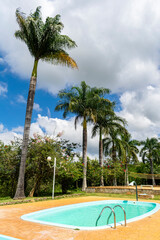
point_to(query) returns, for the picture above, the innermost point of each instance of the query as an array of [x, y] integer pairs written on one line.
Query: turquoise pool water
[[3, 237], [84, 215]]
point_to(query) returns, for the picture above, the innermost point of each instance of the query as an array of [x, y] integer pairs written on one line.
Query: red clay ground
[[12, 225]]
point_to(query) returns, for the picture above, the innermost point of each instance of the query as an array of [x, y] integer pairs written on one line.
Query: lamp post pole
[[54, 172]]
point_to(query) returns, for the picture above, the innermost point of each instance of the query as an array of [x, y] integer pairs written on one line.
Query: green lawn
[[117, 195], [73, 194]]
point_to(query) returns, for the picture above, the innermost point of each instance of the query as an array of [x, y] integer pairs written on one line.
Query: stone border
[[123, 189]]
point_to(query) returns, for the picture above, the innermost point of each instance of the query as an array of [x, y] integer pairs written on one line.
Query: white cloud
[[21, 99], [3, 89], [6, 136], [48, 112], [137, 74], [140, 110], [1, 127], [52, 127], [18, 130], [36, 128], [37, 107]]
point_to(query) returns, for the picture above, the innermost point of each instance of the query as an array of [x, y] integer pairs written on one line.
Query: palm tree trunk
[[114, 162], [20, 186], [115, 181], [36, 181], [84, 183], [153, 180], [126, 175], [101, 155], [33, 190]]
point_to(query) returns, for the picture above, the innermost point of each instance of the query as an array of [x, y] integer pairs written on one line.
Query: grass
[[117, 195], [10, 201], [112, 195], [71, 194]]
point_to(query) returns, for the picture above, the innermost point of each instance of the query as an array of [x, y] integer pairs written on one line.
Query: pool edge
[[25, 216]]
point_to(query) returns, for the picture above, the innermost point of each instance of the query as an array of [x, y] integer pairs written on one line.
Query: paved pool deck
[[12, 225]]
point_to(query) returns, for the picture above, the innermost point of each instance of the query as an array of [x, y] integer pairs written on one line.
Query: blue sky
[[13, 101], [118, 48]]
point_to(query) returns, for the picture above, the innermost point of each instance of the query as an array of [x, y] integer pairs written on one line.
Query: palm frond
[[76, 121], [44, 40], [20, 17], [67, 42], [37, 14], [60, 57], [95, 130]]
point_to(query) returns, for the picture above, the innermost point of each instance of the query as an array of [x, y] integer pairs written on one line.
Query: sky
[[118, 47]]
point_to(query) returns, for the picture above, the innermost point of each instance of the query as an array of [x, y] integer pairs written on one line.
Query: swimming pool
[[84, 215]]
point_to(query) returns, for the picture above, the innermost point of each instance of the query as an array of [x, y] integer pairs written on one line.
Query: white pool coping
[[27, 216], [7, 238]]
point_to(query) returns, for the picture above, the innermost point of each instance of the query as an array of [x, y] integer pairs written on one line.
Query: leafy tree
[[69, 170], [45, 42], [68, 173], [39, 172], [9, 164], [37, 169], [39, 175], [81, 101], [112, 170], [150, 152], [139, 167], [93, 172]]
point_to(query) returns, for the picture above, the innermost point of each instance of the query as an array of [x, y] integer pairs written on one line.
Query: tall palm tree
[[131, 151], [150, 152], [81, 101], [105, 120], [45, 42], [114, 146]]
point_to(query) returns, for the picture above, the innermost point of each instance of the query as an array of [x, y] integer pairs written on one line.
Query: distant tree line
[[69, 169]]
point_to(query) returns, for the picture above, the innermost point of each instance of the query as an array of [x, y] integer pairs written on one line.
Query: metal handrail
[[123, 211], [110, 214]]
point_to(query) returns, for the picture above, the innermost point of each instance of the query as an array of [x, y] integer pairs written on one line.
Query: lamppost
[[49, 159], [131, 184]]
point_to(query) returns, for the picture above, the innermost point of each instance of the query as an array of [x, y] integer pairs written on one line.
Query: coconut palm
[[81, 101], [45, 42], [114, 146], [131, 151], [150, 152], [105, 120]]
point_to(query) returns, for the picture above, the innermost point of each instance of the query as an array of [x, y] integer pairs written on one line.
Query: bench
[[147, 186], [144, 195]]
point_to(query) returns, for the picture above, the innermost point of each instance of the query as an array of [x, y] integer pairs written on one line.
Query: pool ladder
[[112, 211]]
